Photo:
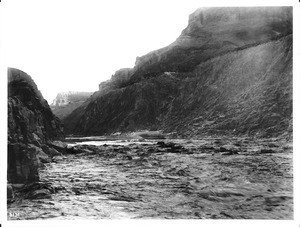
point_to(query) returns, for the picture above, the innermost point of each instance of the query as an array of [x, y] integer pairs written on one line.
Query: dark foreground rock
[[57, 146], [50, 151], [22, 164], [31, 126], [37, 190], [10, 193]]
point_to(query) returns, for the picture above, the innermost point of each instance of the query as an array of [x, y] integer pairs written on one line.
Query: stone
[[78, 150], [22, 164], [58, 145], [31, 124], [229, 148], [50, 151], [39, 194], [37, 190], [267, 151], [18, 186], [36, 140], [231, 152], [10, 193], [42, 157], [161, 144]]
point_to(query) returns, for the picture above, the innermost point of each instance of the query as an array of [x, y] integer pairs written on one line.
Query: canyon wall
[[66, 102], [229, 72], [31, 126]]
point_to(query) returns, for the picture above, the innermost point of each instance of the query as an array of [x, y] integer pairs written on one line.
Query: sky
[[73, 45]]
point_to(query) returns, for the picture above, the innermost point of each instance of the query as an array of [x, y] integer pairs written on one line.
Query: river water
[[193, 179]]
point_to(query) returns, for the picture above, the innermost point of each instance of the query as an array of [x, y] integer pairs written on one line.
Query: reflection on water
[[141, 179]]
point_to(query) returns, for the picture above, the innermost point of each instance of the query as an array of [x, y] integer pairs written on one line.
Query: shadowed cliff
[[31, 125], [229, 72]]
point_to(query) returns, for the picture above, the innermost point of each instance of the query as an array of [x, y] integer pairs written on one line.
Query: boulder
[[78, 150], [18, 186], [41, 156], [50, 151], [229, 148], [267, 151], [22, 163], [39, 194], [10, 193], [58, 145], [36, 140], [37, 190]]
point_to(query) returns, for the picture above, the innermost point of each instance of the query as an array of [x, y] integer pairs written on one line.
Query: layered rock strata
[[229, 72]]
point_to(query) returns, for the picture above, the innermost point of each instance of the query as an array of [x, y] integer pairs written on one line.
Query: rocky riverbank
[[32, 129], [217, 93], [212, 178]]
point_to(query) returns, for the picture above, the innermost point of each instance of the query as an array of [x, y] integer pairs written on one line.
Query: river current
[[190, 179]]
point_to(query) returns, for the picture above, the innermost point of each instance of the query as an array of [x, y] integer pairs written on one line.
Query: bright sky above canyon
[[74, 45]]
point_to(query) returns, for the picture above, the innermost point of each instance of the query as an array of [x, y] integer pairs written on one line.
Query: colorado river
[[178, 179]]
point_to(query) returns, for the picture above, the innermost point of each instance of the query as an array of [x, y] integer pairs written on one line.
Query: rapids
[[176, 179]]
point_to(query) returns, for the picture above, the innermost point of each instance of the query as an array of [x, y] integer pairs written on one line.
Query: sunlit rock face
[[31, 124], [66, 102], [229, 72], [64, 98]]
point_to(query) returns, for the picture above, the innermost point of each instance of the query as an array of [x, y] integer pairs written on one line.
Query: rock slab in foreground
[[31, 124]]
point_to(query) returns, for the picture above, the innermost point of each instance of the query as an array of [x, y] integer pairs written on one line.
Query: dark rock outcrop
[[31, 124], [66, 102], [230, 71], [37, 190], [10, 193]]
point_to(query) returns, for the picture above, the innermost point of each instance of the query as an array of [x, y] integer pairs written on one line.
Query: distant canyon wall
[[66, 102], [229, 72]]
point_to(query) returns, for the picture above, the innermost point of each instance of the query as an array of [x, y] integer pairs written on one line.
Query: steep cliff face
[[230, 71], [243, 92], [66, 102], [31, 124], [213, 32], [126, 109]]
